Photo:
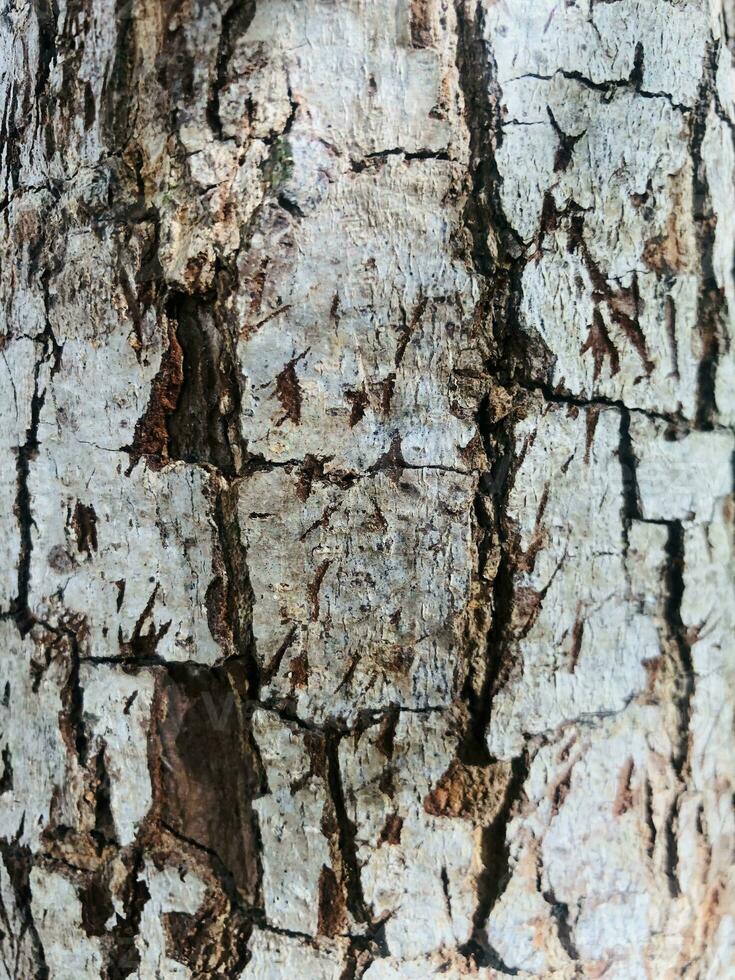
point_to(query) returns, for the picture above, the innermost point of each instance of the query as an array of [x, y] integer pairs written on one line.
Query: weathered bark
[[368, 387]]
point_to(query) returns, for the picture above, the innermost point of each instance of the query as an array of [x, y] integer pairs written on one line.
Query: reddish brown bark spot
[[391, 832], [151, 432], [560, 790], [299, 670], [314, 587], [624, 798], [288, 391], [421, 36], [358, 400], [577, 634], [471, 792], [332, 913], [593, 417], [600, 345]]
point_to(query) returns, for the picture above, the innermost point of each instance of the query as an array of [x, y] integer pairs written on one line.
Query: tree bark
[[368, 379]]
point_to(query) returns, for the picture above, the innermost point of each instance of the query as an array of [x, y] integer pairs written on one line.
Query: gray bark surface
[[367, 374]]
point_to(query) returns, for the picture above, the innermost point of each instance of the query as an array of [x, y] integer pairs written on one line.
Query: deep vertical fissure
[[711, 299], [500, 276]]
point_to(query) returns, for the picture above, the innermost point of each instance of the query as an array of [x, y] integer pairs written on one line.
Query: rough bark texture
[[368, 387]]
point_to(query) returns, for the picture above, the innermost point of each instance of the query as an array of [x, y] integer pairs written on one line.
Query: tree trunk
[[368, 381]]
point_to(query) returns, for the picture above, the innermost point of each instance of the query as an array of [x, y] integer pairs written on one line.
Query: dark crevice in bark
[[116, 94], [567, 142], [202, 427], [96, 903], [233, 600], [496, 856], [24, 455], [151, 437], [379, 156], [560, 913], [23, 512], [672, 850], [483, 955], [515, 356], [47, 13], [123, 958], [479, 697], [18, 862], [72, 700], [674, 594], [560, 396], [365, 718], [205, 768], [711, 299], [608, 87], [236, 20], [104, 823], [684, 680], [346, 833], [628, 465], [650, 822], [499, 304], [6, 779]]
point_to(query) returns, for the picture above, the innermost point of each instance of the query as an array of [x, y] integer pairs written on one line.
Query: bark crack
[[711, 299], [24, 455], [500, 274]]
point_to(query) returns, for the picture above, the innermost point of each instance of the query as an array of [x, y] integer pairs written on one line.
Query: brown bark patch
[[299, 671], [421, 34], [142, 643], [577, 634], [527, 604], [204, 769], [213, 941], [671, 253], [392, 460], [600, 345], [84, 523], [198, 273], [385, 742], [387, 390], [96, 903], [288, 391], [654, 667], [332, 911], [472, 792], [80, 849], [391, 832], [216, 602], [624, 307], [358, 400], [151, 432], [314, 586], [624, 797], [593, 417]]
